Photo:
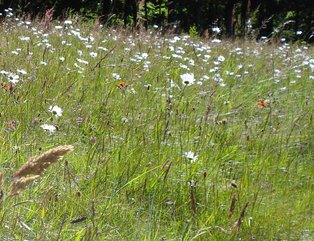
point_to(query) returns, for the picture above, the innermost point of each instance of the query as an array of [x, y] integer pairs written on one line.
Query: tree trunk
[[134, 12], [171, 12], [146, 15], [268, 9], [229, 17], [106, 10], [126, 13], [244, 10]]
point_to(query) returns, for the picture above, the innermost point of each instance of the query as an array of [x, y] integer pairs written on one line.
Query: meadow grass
[[223, 154]]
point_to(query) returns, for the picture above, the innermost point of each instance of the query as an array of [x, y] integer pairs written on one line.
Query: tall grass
[[156, 158]]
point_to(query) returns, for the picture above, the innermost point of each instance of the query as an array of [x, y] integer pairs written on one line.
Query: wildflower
[[124, 119], [116, 76], [93, 54], [24, 38], [56, 110], [216, 40], [216, 29], [13, 78], [21, 71], [187, 79], [49, 128], [122, 85], [190, 156], [221, 58], [79, 119], [144, 55], [105, 49], [12, 124], [93, 140], [68, 22], [262, 103], [35, 121], [82, 61]]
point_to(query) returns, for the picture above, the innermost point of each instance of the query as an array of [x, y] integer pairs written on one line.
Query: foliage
[[193, 31], [230, 16]]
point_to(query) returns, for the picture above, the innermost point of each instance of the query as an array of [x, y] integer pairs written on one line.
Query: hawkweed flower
[[122, 85], [262, 103]]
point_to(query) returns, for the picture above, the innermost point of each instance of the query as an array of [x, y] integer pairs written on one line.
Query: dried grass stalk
[[35, 167], [232, 205], [237, 224], [1, 184]]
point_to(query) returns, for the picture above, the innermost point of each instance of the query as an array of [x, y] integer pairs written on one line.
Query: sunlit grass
[[161, 156]]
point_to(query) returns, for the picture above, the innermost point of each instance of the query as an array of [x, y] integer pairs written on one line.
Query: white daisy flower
[[56, 110]]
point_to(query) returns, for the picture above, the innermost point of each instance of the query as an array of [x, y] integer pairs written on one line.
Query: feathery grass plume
[[20, 184], [35, 166]]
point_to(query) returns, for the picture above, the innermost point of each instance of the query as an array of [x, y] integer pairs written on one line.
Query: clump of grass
[[36, 166]]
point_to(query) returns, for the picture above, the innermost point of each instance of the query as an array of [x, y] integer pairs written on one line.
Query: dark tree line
[[293, 19]]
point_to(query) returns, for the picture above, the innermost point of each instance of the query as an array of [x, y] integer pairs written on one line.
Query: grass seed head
[[35, 167]]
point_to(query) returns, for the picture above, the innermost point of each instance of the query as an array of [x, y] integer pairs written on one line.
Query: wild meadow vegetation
[[175, 138]]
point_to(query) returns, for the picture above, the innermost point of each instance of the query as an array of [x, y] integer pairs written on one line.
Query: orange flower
[[262, 103], [122, 84]]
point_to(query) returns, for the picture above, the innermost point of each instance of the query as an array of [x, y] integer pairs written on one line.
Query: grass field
[[174, 138]]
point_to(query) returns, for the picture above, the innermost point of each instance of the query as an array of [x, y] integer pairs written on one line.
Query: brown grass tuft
[[35, 167]]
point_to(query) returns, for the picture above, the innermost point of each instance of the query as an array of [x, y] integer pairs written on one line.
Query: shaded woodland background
[[289, 19]]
